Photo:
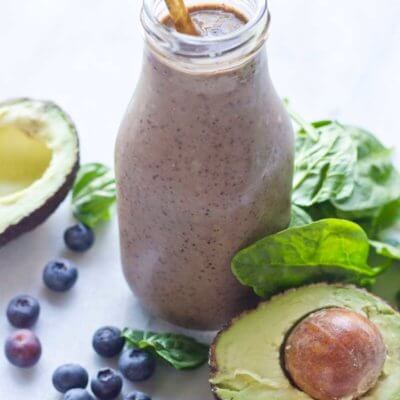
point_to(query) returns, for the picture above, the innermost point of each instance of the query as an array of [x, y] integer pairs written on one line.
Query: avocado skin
[[213, 365], [40, 215]]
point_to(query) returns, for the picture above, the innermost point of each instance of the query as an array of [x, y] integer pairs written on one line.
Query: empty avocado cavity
[[24, 159]]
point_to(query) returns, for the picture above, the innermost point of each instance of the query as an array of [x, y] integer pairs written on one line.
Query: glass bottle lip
[[248, 38]]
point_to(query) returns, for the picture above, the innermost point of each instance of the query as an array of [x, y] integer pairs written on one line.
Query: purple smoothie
[[204, 165]]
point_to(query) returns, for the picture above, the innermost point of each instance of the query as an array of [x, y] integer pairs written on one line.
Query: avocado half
[[246, 357], [39, 159]]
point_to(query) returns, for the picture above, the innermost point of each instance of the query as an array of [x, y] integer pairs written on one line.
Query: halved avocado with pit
[[324, 342], [39, 159]]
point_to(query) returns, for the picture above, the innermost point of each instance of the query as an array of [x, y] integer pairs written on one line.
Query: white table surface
[[337, 59]]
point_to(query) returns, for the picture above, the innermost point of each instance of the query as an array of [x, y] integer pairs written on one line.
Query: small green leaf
[[386, 249], [324, 168], [93, 194], [386, 231], [182, 352], [330, 250], [377, 182], [307, 128], [299, 217]]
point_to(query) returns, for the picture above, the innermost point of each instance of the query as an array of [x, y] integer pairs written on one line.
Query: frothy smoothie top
[[214, 20]]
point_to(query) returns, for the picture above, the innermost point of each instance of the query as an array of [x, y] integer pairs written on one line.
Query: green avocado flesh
[[39, 156], [246, 356]]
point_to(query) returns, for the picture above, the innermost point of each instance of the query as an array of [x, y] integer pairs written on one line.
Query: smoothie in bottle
[[204, 161]]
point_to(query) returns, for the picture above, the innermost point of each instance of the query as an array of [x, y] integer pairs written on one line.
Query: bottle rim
[[167, 40]]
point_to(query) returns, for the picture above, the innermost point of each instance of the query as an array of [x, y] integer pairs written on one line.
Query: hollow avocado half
[[39, 159], [245, 358]]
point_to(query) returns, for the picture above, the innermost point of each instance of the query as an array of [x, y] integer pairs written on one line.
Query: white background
[[336, 59]]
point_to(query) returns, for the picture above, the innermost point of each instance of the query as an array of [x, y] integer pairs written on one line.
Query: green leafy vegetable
[[182, 352], [377, 182], [345, 180], [386, 231], [387, 222], [329, 250], [93, 194], [386, 249], [343, 165], [299, 217], [345, 172], [324, 165]]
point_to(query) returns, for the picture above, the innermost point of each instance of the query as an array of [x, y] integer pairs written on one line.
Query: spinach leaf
[[377, 182], [326, 171], [386, 249], [330, 250], [182, 352], [386, 231], [328, 210], [387, 222], [93, 194], [306, 128], [299, 217], [324, 165]]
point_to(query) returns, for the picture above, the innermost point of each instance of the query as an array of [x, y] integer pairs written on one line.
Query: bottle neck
[[206, 54]]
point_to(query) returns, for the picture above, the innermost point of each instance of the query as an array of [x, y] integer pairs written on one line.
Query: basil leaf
[[376, 180], [93, 194], [324, 166], [182, 352], [330, 250], [299, 217]]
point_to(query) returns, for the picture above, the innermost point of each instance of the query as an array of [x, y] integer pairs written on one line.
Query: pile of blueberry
[[135, 365], [61, 275], [23, 348]]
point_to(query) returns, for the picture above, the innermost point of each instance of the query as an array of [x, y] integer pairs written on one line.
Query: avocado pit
[[247, 358], [334, 353]]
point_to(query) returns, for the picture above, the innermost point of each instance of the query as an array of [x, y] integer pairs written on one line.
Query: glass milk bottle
[[204, 162]]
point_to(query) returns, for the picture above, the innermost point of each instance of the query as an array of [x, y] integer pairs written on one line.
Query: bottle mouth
[[167, 40]]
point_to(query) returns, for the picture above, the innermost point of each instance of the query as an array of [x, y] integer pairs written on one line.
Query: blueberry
[[137, 396], [23, 311], [60, 275], [108, 342], [79, 238], [78, 394], [107, 384], [23, 349], [70, 376], [137, 365]]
